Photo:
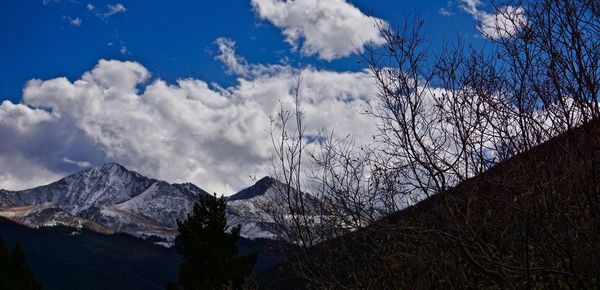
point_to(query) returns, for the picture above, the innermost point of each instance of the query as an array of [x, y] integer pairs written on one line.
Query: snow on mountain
[[46, 215], [243, 208], [113, 198], [248, 208], [108, 184]]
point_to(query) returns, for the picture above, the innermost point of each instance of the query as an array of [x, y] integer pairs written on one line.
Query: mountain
[[107, 197], [46, 215], [111, 198], [243, 208], [249, 207], [258, 189]]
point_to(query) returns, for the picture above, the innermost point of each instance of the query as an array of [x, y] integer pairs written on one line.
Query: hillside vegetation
[[529, 222]]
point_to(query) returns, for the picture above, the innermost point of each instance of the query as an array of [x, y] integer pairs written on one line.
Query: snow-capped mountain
[[113, 198], [46, 215], [244, 209], [250, 207]]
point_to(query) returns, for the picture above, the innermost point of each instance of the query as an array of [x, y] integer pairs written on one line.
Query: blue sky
[[174, 39], [185, 90]]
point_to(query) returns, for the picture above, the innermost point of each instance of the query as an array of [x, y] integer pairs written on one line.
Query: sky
[[184, 91]]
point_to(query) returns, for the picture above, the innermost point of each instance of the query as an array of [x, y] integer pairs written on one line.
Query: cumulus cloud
[[504, 23], [179, 132], [330, 29], [19, 172], [19, 168]]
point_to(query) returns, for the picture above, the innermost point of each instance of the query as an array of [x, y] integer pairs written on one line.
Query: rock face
[[46, 215], [113, 198], [249, 207], [244, 209]]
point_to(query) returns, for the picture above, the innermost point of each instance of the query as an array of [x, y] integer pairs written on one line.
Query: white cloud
[[80, 164], [19, 172], [470, 6], [113, 9], [234, 63], [19, 167], [330, 29], [187, 131], [444, 12], [504, 23], [75, 21]]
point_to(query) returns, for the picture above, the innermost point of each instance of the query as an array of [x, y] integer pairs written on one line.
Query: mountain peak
[[259, 188], [105, 171], [114, 197], [267, 180], [112, 166], [125, 201]]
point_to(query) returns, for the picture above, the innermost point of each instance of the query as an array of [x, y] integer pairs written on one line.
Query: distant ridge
[[112, 198], [259, 188]]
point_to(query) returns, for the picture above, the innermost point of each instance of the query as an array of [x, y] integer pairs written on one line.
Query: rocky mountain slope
[[244, 209], [111, 198]]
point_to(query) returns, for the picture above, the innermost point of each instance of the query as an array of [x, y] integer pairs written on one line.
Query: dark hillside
[[65, 258], [532, 221]]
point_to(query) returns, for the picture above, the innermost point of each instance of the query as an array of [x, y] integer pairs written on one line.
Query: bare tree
[[501, 140], [537, 82]]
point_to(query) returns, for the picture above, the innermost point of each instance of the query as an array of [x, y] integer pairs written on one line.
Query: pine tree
[[210, 254], [14, 273]]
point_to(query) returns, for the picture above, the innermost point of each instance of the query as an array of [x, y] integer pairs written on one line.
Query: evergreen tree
[[14, 273], [210, 254]]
